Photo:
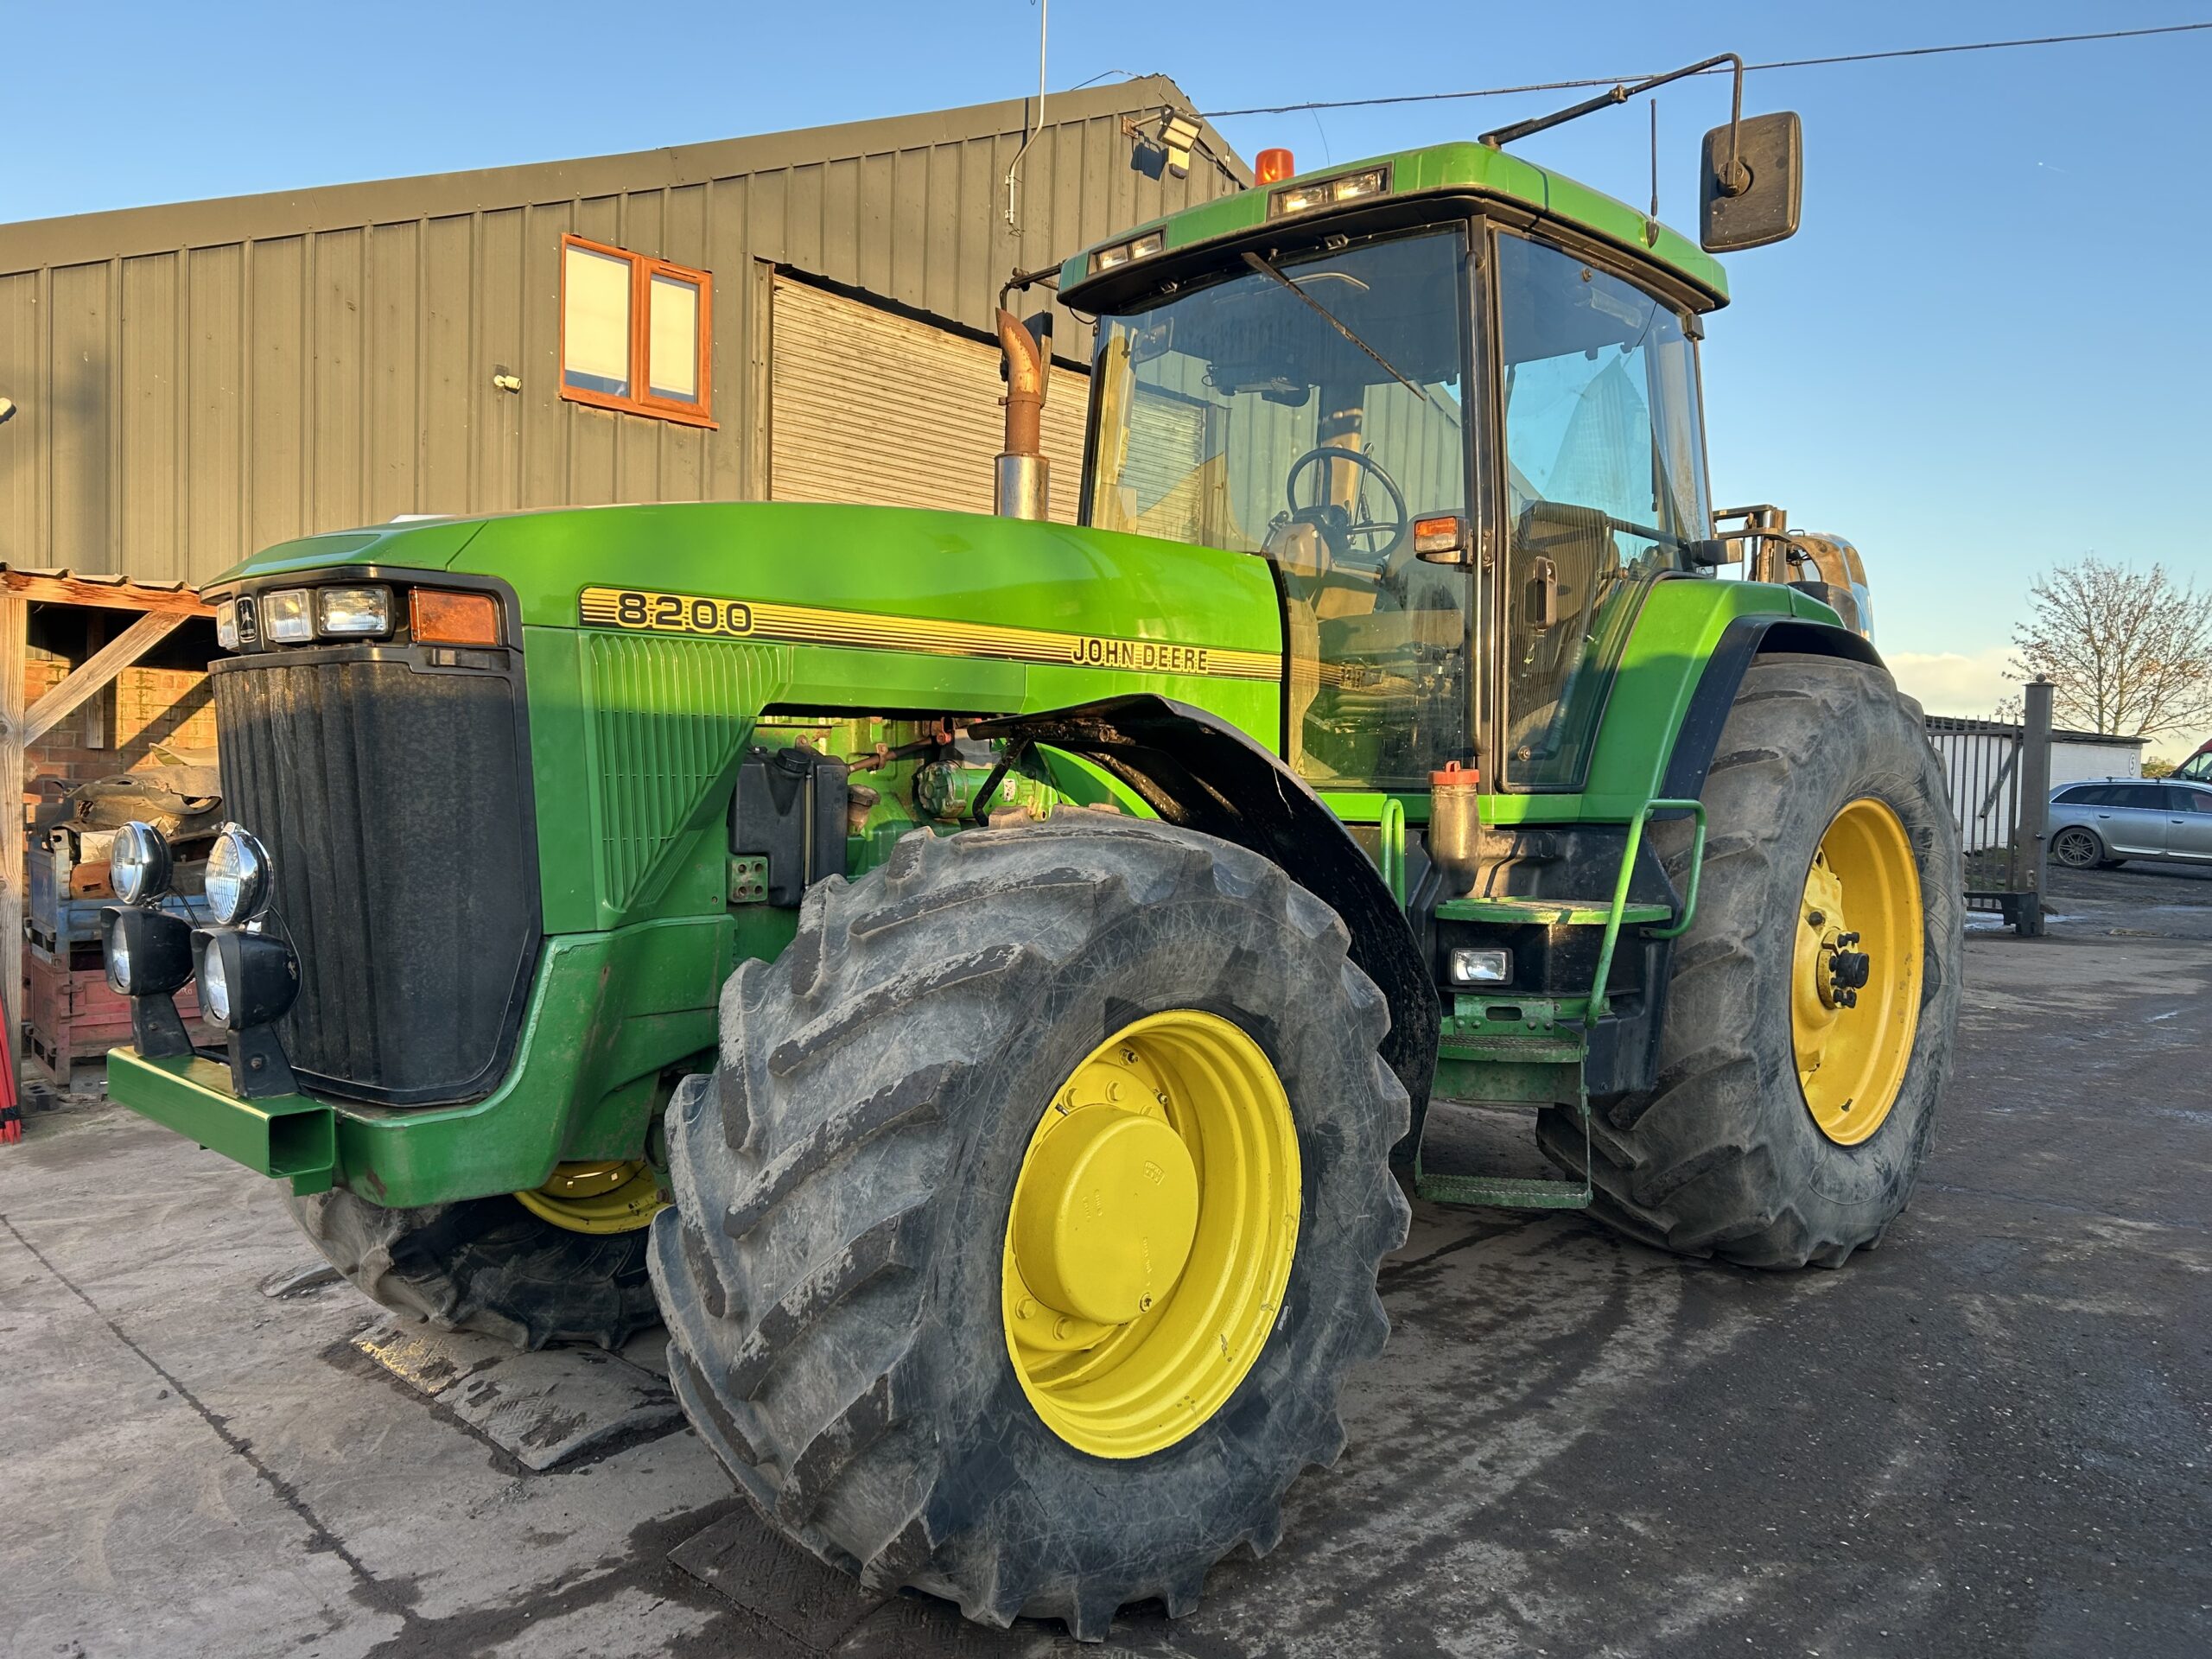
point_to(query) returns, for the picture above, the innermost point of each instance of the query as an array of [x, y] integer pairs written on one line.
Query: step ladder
[[1537, 1056]]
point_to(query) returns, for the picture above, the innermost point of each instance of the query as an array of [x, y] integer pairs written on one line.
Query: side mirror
[[1754, 182]]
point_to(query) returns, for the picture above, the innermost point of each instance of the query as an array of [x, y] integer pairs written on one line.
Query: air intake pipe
[[1023, 477]]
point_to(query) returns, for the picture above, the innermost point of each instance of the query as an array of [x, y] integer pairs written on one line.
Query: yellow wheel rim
[[1854, 995], [1150, 1236], [605, 1197]]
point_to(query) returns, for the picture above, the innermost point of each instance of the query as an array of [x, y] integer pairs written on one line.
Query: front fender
[[1193, 770]]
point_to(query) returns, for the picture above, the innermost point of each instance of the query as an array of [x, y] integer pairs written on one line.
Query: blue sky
[[1975, 360]]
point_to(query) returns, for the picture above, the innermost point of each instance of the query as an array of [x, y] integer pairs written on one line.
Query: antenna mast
[[1013, 167]]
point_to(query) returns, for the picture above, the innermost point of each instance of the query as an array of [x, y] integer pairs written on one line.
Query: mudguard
[[1741, 642], [1194, 771]]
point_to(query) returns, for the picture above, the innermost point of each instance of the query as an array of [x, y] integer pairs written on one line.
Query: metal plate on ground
[[545, 1407], [813, 1604]]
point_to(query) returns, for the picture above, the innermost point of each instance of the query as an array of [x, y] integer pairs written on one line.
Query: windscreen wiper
[[1337, 323]]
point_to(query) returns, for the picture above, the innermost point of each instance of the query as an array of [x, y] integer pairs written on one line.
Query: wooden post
[[15, 629]]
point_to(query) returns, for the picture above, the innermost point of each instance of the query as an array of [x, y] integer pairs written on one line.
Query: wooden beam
[[15, 628], [92, 674], [108, 595]]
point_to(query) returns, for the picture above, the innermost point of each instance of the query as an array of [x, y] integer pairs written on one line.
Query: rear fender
[[1193, 770], [1742, 643]]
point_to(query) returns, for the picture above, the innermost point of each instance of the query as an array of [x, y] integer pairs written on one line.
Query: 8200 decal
[[632, 607]]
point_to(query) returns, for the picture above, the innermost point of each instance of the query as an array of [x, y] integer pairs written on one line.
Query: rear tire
[[1723, 1157], [486, 1265], [831, 1268]]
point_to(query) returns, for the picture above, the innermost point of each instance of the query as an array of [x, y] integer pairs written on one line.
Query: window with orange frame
[[636, 332]]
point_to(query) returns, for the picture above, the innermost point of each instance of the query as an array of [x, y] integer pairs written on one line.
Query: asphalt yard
[[1991, 1437]]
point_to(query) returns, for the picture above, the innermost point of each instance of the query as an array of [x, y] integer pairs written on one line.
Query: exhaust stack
[[1023, 477]]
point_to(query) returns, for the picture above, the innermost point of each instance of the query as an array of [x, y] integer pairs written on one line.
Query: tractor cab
[[1468, 438]]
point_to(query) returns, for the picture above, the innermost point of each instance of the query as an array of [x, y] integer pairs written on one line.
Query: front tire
[[2079, 849], [834, 1271], [487, 1265], [1792, 1111]]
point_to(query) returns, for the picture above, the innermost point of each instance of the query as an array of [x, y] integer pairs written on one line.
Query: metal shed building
[[197, 380]]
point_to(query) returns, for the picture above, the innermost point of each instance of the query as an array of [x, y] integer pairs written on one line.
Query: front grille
[[394, 803]]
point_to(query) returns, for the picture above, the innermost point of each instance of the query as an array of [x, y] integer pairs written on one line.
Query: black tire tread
[[486, 1265], [793, 1311], [1692, 1166]]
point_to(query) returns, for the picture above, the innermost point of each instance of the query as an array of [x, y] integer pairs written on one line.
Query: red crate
[[75, 1015]]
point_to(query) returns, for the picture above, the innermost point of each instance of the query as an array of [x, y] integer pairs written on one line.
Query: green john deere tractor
[[981, 981]]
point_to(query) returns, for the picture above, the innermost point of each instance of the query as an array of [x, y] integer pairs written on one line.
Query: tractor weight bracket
[[1196, 772]]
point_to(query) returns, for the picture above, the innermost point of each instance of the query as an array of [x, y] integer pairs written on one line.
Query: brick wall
[[116, 730]]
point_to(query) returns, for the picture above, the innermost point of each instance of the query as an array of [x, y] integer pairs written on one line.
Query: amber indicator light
[[438, 618], [1439, 535], [1274, 166]]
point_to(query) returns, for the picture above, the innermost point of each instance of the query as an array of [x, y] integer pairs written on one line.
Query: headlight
[[1482, 967], [246, 980], [237, 876], [227, 625], [285, 617], [139, 863], [214, 985], [149, 951], [346, 610]]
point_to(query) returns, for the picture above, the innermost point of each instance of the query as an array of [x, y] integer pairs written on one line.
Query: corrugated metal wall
[[201, 380], [872, 407]]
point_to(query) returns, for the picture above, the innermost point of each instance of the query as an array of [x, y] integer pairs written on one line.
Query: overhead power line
[[1749, 68]]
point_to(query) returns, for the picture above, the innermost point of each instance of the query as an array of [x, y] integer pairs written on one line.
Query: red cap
[[1455, 776]]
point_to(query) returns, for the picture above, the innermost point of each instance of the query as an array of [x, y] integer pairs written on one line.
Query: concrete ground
[[1992, 1437]]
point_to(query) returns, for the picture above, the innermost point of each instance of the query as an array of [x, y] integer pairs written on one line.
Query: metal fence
[[1999, 775]]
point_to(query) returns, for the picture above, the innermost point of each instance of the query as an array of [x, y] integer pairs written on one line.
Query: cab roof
[[1438, 170]]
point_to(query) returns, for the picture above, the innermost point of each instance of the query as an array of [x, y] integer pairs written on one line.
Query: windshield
[[1312, 412], [1605, 482], [2197, 768]]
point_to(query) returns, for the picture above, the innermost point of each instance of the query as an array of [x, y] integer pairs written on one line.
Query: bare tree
[[2129, 650]]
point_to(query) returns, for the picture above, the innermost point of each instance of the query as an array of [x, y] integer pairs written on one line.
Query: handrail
[[1600, 1005], [1391, 830]]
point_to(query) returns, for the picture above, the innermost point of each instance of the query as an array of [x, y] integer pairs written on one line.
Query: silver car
[[2096, 825]]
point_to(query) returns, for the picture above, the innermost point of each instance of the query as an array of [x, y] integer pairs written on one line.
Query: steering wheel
[[1335, 522]]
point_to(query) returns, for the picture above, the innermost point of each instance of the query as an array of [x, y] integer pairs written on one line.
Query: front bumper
[[611, 1018], [287, 1137]]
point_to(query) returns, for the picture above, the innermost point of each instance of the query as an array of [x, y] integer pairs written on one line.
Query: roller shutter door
[[867, 406]]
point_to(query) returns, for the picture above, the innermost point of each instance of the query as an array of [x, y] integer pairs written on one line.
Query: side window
[[635, 333], [2076, 797], [2144, 797], [2187, 800]]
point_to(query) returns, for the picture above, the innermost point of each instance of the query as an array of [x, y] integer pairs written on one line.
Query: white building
[[1981, 765]]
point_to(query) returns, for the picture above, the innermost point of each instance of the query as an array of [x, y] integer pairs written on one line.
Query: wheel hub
[[1108, 1206], [1150, 1233], [1855, 986]]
